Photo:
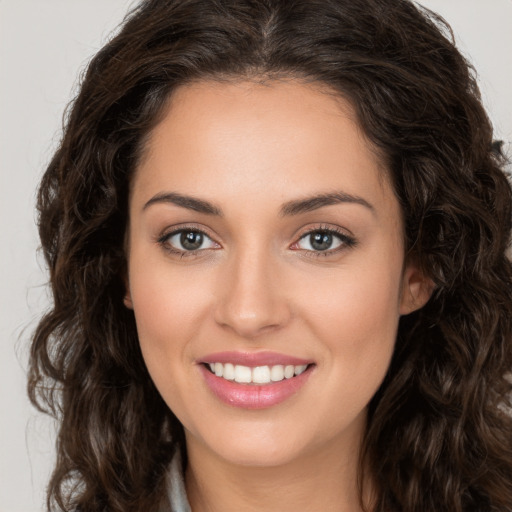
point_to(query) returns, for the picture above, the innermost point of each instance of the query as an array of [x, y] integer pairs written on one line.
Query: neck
[[325, 479]]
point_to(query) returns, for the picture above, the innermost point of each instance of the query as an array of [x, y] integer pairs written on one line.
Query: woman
[[276, 234]]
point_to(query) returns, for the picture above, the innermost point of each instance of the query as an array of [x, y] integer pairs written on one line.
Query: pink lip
[[253, 359], [253, 396]]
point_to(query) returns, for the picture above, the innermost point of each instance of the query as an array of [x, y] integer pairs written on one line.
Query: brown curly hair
[[439, 434]]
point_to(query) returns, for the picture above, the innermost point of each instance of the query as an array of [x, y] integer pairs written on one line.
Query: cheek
[[356, 314], [354, 304], [359, 329], [169, 306]]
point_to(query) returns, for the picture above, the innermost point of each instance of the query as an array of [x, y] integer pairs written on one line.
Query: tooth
[[261, 374], [289, 371], [257, 375], [300, 369], [229, 371], [243, 374], [277, 373]]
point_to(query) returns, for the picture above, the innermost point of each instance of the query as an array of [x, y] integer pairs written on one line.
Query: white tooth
[[301, 368], [218, 369], [229, 371], [289, 371], [277, 373], [261, 374], [243, 374], [212, 367]]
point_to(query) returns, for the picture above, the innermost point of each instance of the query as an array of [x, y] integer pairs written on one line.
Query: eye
[[187, 240], [324, 241]]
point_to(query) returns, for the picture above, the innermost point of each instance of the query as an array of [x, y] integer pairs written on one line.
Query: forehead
[[248, 138]]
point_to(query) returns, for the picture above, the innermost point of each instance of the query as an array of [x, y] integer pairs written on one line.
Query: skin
[[257, 285]]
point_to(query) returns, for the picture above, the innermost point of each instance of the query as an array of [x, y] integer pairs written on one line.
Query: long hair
[[439, 433]]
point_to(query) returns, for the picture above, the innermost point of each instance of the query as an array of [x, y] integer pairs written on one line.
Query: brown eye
[[191, 240]]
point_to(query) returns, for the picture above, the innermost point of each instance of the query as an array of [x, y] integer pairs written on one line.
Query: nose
[[251, 298]]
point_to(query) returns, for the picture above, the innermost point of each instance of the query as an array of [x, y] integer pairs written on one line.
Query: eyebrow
[[308, 204], [290, 208], [188, 202]]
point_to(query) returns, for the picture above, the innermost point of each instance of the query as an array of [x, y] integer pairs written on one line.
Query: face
[[266, 269]]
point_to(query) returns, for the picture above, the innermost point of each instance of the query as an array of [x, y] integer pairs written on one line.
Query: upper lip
[[253, 359]]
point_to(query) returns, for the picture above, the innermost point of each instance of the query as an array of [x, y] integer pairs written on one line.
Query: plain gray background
[[44, 44]]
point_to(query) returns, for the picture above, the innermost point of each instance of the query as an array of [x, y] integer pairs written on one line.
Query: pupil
[[321, 241], [191, 240]]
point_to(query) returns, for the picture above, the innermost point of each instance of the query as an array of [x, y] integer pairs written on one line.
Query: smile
[[256, 375], [255, 380]]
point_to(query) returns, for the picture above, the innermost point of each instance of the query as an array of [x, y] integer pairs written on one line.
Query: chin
[[259, 444], [258, 456]]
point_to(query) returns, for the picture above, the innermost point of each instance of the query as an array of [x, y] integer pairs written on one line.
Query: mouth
[[255, 380], [257, 375]]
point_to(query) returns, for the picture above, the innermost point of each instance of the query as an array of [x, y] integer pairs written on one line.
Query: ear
[[417, 289], [127, 300]]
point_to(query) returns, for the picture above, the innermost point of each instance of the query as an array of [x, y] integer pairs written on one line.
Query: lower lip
[[254, 396]]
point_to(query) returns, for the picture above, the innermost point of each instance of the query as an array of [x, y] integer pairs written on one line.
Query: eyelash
[[347, 241], [163, 241]]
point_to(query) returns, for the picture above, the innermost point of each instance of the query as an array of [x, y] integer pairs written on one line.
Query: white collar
[[176, 493]]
